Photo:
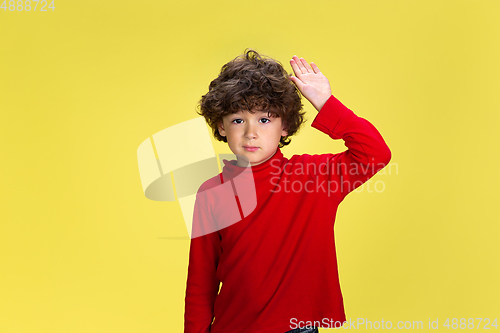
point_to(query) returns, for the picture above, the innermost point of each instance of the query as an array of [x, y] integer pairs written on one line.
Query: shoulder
[[210, 183]]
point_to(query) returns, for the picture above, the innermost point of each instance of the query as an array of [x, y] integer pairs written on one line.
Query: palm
[[313, 84], [310, 81]]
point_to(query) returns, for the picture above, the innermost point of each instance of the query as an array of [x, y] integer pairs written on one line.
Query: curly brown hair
[[253, 82]]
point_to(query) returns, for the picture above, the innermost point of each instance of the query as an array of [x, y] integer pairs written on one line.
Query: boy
[[276, 261]]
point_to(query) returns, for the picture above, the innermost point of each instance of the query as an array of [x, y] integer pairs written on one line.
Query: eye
[[266, 120], [235, 121]]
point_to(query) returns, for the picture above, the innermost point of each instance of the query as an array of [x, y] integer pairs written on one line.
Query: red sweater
[[269, 237]]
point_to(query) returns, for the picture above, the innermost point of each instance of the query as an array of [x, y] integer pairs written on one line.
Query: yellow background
[[83, 250]]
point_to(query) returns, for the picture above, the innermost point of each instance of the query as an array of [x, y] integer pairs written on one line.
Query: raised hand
[[313, 85]]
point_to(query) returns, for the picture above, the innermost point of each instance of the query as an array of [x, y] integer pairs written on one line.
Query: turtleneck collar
[[231, 169]]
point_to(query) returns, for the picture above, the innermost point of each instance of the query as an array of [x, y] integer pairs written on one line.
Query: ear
[[283, 131], [220, 127]]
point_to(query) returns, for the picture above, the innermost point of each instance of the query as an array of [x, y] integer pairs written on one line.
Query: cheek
[[232, 134], [278, 131], [230, 131]]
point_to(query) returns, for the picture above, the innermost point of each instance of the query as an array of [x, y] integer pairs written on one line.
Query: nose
[[251, 132]]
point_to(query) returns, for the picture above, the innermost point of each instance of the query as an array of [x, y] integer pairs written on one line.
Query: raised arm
[[367, 151]]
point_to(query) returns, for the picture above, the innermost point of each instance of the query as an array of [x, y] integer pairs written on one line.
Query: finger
[[315, 68], [300, 65], [297, 82], [306, 65], [295, 67]]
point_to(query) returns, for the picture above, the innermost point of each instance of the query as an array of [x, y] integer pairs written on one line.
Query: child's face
[[251, 137]]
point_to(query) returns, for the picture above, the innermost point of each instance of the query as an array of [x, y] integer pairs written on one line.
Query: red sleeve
[[202, 284], [367, 151]]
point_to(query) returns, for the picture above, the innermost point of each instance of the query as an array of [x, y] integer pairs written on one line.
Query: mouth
[[250, 148]]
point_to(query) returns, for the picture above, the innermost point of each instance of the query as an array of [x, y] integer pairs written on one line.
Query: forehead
[[255, 112]]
